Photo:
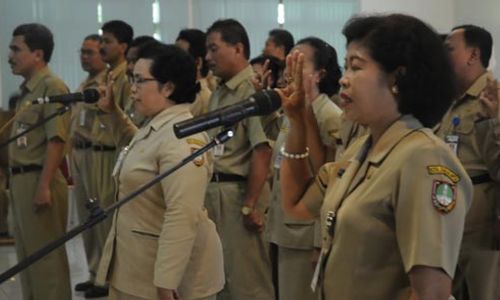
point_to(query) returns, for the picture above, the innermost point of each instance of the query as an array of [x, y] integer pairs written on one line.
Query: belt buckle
[[216, 177]]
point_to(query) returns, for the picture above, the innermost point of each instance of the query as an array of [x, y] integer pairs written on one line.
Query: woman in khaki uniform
[[392, 210], [297, 239], [162, 244]]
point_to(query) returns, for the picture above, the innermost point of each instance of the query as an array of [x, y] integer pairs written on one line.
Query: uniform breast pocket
[[145, 234], [28, 118], [465, 127], [291, 222], [25, 121]]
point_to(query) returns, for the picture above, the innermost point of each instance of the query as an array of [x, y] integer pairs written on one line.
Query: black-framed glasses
[[138, 80]]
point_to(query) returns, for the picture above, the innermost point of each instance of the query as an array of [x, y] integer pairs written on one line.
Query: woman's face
[[366, 89], [150, 97], [309, 67]]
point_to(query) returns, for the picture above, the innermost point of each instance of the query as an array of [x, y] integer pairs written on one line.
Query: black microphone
[[87, 96], [259, 104]]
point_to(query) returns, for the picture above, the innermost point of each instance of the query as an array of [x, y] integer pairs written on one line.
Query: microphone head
[[91, 95], [267, 101]]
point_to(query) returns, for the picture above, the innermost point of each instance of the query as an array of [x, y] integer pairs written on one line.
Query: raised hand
[[489, 99], [262, 79], [293, 96], [107, 100]]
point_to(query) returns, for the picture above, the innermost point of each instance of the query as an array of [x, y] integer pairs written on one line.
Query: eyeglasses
[[87, 52], [138, 80]]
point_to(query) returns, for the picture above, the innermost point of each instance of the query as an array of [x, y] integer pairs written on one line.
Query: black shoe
[[83, 286], [96, 292]]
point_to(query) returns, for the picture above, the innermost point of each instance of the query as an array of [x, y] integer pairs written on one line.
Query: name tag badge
[[219, 150], [82, 117], [119, 161], [317, 271], [22, 141], [452, 141]]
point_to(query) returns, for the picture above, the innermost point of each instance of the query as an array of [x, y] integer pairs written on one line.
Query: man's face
[[90, 57], [111, 49], [221, 56], [272, 49], [22, 60], [132, 54], [460, 53]]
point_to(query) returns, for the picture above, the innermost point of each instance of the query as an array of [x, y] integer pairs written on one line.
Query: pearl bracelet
[[293, 155]]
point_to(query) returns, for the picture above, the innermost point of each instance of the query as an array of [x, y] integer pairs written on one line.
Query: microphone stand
[[97, 214], [59, 111]]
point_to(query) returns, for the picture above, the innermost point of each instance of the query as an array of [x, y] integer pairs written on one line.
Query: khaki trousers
[[115, 294], [247, 264], [295, 273], [49, 277], [4, 202], [477, 275], [84, 189]]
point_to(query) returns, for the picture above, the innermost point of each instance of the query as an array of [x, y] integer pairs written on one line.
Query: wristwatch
[[246, 210]]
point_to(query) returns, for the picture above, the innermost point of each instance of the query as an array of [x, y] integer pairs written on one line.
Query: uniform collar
[[236, 80], [478, 86], [392, 136], [119, 70], [167, 115], [96, 80], [31, 84]]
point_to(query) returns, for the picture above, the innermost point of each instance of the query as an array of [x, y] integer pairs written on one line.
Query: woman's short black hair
[[325, 57], [197, 45], [275, 65], [172, 64], [406, 45]]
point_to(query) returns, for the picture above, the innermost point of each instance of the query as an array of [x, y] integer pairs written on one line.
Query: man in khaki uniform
[[5, 116], [477, 272], [82, 117], [116, 37], [238, 195], [193, 41], [131, 58], [39, 191]]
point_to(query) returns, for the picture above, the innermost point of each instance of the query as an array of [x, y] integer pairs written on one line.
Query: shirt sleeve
[[432, 199], [315, 193], [184, 194], [58, 126], [488, 139]]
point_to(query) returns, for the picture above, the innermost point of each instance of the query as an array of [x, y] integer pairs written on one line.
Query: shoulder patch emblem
[[442, 170], [444, 196], [198, 161]]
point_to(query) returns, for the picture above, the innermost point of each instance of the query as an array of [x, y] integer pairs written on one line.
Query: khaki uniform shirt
[[398, 204], [235, 157], [101, 133], [477, 154], [31, 147], [349, 132], [200, 104], [283, 230], [83, 114], [163, 238]]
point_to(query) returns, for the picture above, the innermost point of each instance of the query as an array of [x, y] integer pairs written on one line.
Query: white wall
[[438, 13]]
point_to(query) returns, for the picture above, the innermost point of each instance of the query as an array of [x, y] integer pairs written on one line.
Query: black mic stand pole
[[59, 111], [97, 214]]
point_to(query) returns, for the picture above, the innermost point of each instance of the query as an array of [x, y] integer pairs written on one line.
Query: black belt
[[82, 144], [481, 179], [25, 169], [103, 148], [223, 177]]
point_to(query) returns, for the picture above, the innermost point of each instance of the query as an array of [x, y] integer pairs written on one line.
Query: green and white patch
[[443, 196]]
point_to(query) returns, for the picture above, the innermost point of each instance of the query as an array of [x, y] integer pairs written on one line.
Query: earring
[[395, 89]]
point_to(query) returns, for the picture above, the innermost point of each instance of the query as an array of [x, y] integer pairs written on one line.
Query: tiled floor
[[11, 289]]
